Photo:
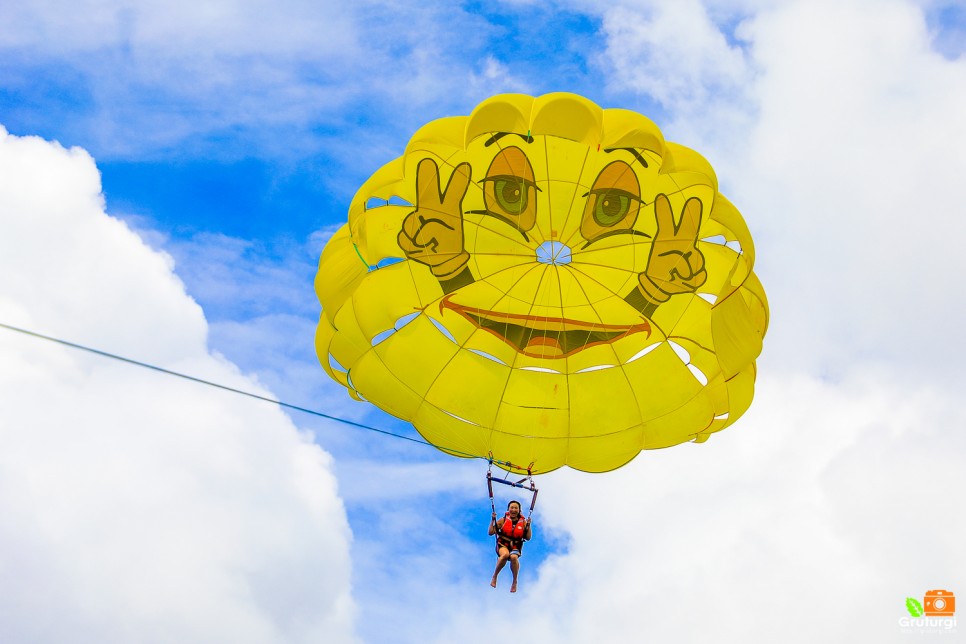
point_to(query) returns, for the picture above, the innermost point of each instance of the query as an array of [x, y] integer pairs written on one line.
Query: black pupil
[[511, 192], [611, 206]]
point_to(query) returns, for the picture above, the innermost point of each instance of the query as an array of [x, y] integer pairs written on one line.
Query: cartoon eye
[[613, 203], [612, 206], [511, 195], [510, 191]]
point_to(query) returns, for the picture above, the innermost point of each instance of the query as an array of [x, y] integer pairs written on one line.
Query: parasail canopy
[[548, 282]]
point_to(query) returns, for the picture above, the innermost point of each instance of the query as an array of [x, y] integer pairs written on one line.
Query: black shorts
[[515, 547]]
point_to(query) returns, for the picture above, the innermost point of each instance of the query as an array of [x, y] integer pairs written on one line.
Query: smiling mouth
[[544, 337]]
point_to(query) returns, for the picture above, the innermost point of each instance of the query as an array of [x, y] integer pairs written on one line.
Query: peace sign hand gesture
[[675, 264], [432, 234]]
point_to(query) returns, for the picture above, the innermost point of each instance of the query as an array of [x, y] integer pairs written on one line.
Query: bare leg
[[500, 562], [515, 569]]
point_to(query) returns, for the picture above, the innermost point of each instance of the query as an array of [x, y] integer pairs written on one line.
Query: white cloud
[[224, 64], [674, 53], [144, 79], [495, 77], [260, 307], [195, 30], [812, 520], [136, 507], [834, 499], [837, 130], [839, 140], [853, 174]]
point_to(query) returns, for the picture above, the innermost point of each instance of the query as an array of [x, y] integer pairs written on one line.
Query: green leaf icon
[[914, 607]]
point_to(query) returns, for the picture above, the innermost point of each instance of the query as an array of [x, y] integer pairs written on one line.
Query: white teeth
[[708, 297], [643, 352], [723, 416]]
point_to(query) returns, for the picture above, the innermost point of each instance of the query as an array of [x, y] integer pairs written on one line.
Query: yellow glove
[[433, 233], [675, 264]]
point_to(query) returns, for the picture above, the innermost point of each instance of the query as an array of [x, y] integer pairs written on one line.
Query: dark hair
[[512, 502]]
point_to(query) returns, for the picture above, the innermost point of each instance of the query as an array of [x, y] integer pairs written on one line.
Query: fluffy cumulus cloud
[[673, 52], [153, 78], [125, 58], [811, 521], [845, 166], [834, 499], [854, 167], [837, 129], [134, 506]]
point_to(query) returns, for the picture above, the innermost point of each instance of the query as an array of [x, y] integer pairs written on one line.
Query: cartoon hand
[[433, 233], [675, 264]]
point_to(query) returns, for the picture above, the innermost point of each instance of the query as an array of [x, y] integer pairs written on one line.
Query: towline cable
[[241, 392]]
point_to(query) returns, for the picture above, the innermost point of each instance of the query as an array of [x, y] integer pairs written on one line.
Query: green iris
[[610, 208], [511, 195]]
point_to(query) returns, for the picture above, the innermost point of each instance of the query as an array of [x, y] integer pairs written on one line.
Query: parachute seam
[[612, 292], [504, 295], [573, 200], [622, 365], [449, 360]]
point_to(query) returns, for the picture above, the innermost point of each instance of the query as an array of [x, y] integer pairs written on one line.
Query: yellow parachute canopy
[[548, 282]]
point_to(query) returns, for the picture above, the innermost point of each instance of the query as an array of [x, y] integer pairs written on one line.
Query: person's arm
[[528, 533], [493, 526]]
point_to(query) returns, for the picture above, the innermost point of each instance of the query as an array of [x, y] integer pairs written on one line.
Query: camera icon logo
[[939, 603]]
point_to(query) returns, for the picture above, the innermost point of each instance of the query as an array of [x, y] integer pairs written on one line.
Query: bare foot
[[513, 587], [493, 582]]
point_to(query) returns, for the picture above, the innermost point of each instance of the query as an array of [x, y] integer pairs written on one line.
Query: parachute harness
[[526, 483]]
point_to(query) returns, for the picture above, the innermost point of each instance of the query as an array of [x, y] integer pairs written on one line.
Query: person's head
[[513, 507]]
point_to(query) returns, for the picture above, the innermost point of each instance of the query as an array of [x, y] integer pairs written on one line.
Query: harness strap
[[489, 485], [520, 484]]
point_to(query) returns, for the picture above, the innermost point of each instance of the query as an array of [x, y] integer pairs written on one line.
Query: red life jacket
[[514, 530]]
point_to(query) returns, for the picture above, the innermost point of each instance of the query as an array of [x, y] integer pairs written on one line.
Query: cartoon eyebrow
[[499, 135], [637, 155], [512, 177], [614, 191], [626, 231]]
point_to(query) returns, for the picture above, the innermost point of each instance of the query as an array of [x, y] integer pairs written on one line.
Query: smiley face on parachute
[[551, 238], [546, 281]]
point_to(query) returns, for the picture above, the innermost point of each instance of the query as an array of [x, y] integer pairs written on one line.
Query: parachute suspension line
[[241, 392], [489, 485], [526, 483]]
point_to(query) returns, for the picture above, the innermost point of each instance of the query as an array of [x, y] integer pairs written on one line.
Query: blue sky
[[231, 138]]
